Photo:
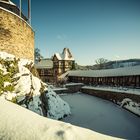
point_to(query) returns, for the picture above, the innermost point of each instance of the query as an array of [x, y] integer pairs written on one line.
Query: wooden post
[[139, 81], [135, 82]]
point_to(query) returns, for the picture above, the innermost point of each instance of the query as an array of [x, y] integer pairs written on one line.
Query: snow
[[131, 106], [126, 103], [64, 75], [114, 89], [44, 64], [9, 96], [66, 55], [36, 83], [74, 84], [57, 89], [59, 56], [22, 124], [4, 55], [27, 90], [57, 107], [36, 102], [126, 71], [6, 84], [125, 63], [102, 116], [28, 84], [24, 85], [3, 69]]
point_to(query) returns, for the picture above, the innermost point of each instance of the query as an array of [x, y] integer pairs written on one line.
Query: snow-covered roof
[[7, 2], [126, 71], [65, 55], [44, 63], [62, 76], [59, 56]]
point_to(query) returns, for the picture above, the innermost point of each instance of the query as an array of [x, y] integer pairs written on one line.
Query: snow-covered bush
[[19, 84], [57, 107], [7, 71]]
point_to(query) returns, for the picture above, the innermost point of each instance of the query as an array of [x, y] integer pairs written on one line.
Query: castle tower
[[63, 62], [16, 34]]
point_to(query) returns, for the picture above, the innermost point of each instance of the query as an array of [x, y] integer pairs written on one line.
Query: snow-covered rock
[[18, 123], [131, 106]]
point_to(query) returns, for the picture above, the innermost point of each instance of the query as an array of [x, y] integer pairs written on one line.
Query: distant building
[[63, 62], [50, 69], [45, 70]]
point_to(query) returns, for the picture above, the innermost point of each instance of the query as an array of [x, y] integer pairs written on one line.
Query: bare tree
[[100, 63]]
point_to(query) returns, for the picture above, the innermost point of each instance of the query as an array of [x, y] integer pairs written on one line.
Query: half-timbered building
[[50, 69]]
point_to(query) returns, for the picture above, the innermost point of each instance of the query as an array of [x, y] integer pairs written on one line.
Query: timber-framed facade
[[49, 70]]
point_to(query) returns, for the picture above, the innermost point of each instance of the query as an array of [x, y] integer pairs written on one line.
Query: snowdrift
[[18, 123]]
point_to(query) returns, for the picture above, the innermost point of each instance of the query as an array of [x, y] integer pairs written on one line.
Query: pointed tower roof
[[65, 55]]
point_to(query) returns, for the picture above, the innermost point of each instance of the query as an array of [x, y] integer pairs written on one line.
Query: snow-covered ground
[[18, 123], [102, 116]]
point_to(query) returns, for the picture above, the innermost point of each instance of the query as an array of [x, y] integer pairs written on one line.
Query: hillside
[[111, 64]]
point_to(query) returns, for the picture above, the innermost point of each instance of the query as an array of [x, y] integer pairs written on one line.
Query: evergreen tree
[[37, 54]]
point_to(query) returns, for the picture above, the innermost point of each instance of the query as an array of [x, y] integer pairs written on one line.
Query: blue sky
[[90, 28]]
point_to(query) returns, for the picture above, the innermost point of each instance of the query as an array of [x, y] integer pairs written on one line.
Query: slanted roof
[[62, 76], [59, 56], [65, 55], [126, 71], [44, 64]]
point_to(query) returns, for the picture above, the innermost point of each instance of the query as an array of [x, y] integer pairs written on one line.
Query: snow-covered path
[[102, 116]]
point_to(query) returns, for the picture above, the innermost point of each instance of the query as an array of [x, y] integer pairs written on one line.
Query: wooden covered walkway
[[126, 77]]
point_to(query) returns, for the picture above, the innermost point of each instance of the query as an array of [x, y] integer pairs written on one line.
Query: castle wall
[[16, 35]]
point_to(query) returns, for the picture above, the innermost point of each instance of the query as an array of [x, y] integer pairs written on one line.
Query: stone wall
[[16, 35], [111, 95], [74, 88]]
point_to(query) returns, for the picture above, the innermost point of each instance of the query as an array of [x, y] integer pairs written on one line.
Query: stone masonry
[[16, 35]]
